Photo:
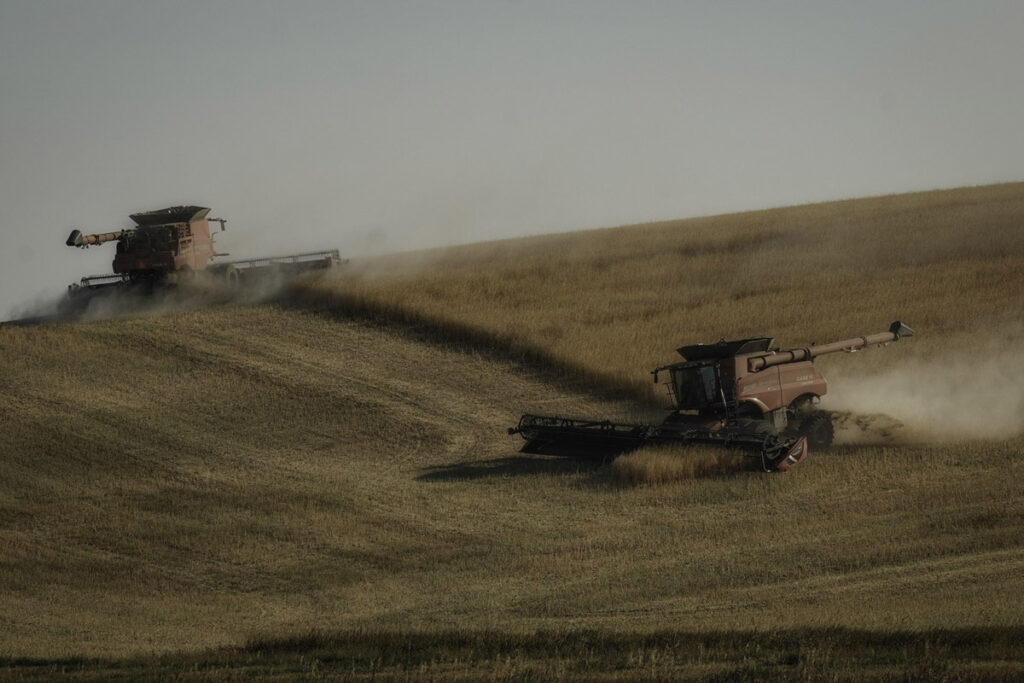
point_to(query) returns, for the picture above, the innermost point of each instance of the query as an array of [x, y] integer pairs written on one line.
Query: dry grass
[[195, 480], [616, 302], [652, 466], [962, 654]]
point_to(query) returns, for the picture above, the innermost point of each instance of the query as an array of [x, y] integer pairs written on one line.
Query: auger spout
[[77, 239], [896, 331]]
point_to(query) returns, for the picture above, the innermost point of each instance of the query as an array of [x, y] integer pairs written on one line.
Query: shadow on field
[[454, 335], [964, 654], [511, 466]]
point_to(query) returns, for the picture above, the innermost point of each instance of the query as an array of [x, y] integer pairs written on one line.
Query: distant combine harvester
[[174, 246]]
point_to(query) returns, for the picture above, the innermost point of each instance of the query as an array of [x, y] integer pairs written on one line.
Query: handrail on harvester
[[332, 254]]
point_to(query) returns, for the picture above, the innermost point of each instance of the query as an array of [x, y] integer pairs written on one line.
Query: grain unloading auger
[[170, 246], [741, 393]]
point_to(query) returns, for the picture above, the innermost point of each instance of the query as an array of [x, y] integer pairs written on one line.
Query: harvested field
[[263, 488]]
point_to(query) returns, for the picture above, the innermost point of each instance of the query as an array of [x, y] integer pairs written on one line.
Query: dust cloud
[[976, 392], [139, 301]]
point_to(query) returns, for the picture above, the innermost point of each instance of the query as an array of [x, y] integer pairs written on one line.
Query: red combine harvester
[[173, 246], [741, 393]]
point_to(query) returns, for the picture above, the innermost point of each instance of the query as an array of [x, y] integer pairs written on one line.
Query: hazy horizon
[[384, 126]]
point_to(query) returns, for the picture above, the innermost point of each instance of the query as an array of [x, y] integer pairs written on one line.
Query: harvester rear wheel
[[818, 429], [231, 277]]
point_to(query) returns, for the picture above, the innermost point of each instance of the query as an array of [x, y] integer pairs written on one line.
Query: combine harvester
[[174, 246], [741, 393]]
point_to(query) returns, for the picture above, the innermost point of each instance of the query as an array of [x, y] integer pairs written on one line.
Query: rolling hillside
[[331, 471]]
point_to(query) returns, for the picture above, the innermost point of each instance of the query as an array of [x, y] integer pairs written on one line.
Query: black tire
[[802, 406], [818, 429]]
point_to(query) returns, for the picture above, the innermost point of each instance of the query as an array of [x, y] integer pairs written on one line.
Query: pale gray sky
[[380, 126]]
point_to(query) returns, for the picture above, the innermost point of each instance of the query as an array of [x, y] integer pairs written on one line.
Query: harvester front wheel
[[818, 429]]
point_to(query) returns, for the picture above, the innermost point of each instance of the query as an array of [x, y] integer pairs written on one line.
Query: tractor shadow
[[510, 466]]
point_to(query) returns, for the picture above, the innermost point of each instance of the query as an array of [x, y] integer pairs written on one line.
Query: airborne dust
[[972, 390], [115, 302]]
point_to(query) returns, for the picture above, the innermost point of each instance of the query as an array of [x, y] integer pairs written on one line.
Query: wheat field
[[323, 485], [617, 302]]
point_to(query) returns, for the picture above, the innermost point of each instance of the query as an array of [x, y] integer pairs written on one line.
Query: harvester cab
[[699, 382]]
